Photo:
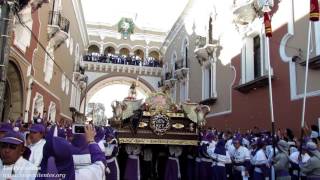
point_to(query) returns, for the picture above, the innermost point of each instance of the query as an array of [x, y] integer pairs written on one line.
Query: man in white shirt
[[37, 132], [241, 159], [13, 165]]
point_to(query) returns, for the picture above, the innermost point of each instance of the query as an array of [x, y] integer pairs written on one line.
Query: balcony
[[170, 83], [203, 53], [244, 11], [181, 73], [58, 28], [259, 82]]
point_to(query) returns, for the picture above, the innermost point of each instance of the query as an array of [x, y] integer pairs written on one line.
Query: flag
[[314, 10], [267, 24]]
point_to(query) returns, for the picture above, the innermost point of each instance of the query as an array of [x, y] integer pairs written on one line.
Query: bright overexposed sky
[[110, 93], [154, 14]]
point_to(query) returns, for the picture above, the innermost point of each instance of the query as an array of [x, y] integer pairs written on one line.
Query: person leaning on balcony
[[312, 167]]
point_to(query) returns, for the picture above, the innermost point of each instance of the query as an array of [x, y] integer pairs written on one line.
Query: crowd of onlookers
[[123, 59]]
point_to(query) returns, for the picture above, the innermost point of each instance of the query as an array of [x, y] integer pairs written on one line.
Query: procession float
[[157, 120]]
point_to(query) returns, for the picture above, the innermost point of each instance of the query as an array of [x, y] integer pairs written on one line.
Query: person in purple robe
[[220, 157], [205, 166], [58, 157], [111, 153], [132, 169], [172, 171]]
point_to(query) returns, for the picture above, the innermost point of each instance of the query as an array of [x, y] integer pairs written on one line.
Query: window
[[71, 46], [207, 83], [185, 49], [253, 58], [256, 57], [67, 86], [317, 37], [52, 112], [38, 106], [63, 82], [209, 80], [22, 34], [48, 64], [184, 91]]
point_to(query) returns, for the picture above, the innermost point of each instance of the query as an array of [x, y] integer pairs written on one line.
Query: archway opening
[[93, 49], [109, 50], [13, 104], [139, 53], [155, 55], [124, 52]]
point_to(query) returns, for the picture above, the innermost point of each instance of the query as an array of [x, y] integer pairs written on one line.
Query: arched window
[[155, 55], [185, 51], [93, 49], [110, 50], [38, 106], [52, 112], [124, 51], [139, 53]]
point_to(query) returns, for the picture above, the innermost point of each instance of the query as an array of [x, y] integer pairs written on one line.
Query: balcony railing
[[116, 59], [58, 28], [56, 19]]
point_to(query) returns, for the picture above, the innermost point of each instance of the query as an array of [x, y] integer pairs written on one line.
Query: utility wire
[[43, 48]]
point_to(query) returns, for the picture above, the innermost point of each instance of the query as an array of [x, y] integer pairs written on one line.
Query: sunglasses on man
[[8, 145]]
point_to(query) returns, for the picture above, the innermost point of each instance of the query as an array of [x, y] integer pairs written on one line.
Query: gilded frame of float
[[157, 141]]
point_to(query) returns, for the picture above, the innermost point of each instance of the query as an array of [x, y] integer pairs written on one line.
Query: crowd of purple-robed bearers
[[49, 151]]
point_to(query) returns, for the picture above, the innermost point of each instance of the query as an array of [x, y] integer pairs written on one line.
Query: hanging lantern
[[314, 10], [267, 24]]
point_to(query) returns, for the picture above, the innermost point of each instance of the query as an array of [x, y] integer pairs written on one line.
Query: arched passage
[[13, 102], [111, 79]]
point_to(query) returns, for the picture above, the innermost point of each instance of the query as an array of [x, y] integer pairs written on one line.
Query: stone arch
[[93, 49], [14, 95], [113, 78]]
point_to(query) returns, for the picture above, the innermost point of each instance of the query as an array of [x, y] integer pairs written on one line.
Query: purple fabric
[[109, 132], [100, 133], [171, 172], [220, 148], [61, 132], [5, 127], [219, 173], [37, 128], [205, 170], [59, 149], [191, 169], [114, 171], [197, 170], [258, 176], [13, 137], [131, 170], [79, 141], [96, 153], [52, 168]]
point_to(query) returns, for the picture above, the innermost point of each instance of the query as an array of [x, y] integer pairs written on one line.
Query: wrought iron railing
[[55, 18]]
